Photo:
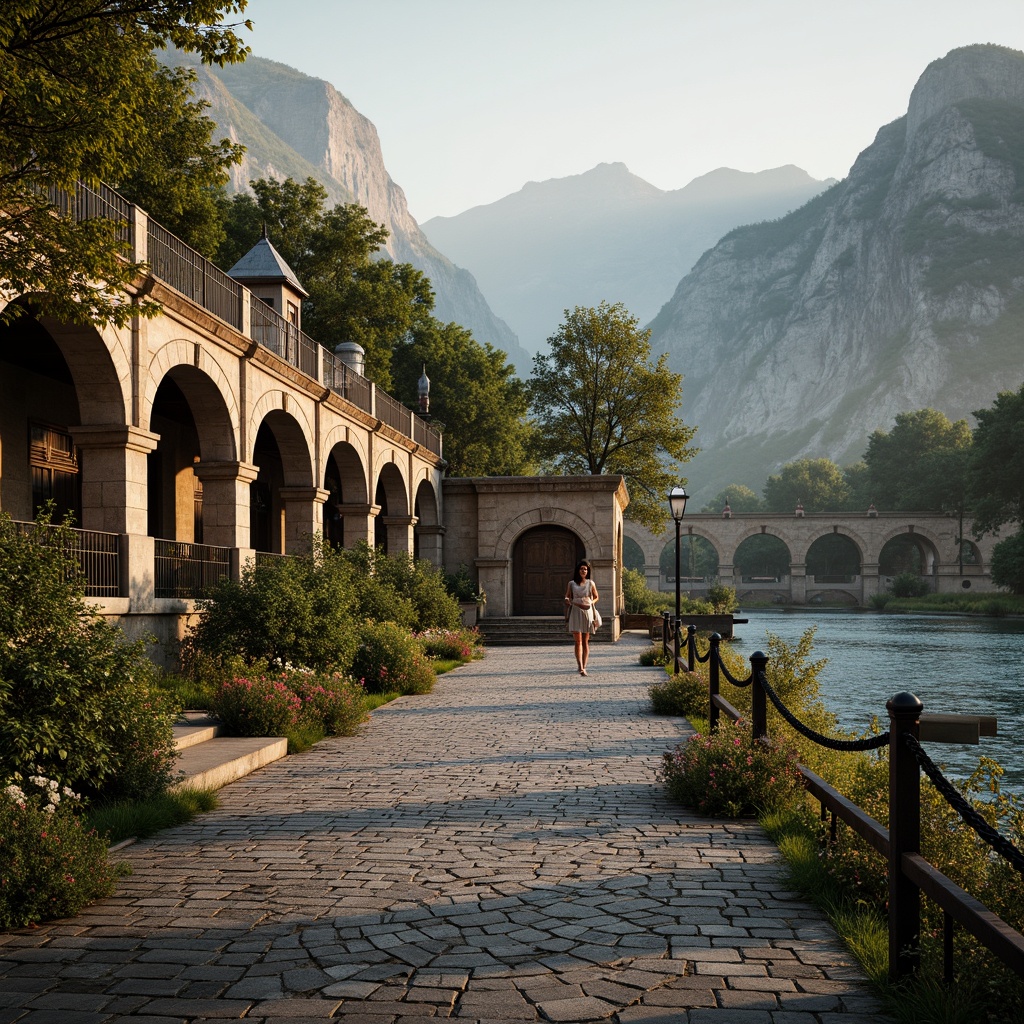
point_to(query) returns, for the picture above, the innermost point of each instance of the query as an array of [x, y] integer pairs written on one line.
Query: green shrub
[[908, 584], [655, 655], [683, 694], [722, 598], [728, 774], [291, 611], [879, 601], [333, 703], [77, 701], [389, 658], [260, 706], [450, 644], [51, 865]]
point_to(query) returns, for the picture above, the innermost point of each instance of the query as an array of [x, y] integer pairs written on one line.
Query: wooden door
[[543, 561]]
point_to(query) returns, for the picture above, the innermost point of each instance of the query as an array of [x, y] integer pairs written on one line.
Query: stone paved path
[[496, 851]]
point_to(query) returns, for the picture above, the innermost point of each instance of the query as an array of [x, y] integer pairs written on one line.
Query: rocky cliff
[[297, 126], [900, 287], [604, 235]]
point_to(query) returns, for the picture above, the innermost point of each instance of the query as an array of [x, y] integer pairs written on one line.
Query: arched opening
[[833, 559], [909, 552], [762, 559], [345, 482], [390, 497], [281, 454], [39, 403], [426, 535], [543, 560], [632, 554], [698, 562]]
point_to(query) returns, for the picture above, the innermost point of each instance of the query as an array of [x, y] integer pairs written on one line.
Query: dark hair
[[579, 565]]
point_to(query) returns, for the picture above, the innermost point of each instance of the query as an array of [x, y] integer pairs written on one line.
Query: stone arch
[[346, 511], [836, 529], [548, 516], [275, 408], [648, 543], [922, 541], [757, 531], [209, 393], [427, 530], [543, 560]]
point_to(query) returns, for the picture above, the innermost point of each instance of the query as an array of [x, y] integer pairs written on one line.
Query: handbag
[[597, 618]]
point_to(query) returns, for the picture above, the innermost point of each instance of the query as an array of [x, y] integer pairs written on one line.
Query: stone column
[[652, 574], [727, 574], [399, 534], [870, 583], [495, 579], [798, 582], [303, 516], [357, 523], [430, 543], [226, 504], [115, 496]]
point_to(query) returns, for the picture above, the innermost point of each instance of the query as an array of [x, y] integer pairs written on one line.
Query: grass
[[993, 605], [138, 819]]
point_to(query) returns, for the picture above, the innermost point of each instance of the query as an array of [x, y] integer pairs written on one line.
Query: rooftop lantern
[[423, 390]]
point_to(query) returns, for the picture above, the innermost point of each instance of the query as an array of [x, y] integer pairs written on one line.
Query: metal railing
[[394, 414], [98, 555], [91, 204], [185, 571], [910, 875], [186, 271]]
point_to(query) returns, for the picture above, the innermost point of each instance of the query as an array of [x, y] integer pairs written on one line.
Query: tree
[[817, 484], [179, 173], [996, 466], [353, 294], [738, 497], [474, 393], [77, 105], [1008, 563], [909, 467], [603, 407]]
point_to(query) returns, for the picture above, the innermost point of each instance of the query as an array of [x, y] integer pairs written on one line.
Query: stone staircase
[[210, 760], [529, 630]]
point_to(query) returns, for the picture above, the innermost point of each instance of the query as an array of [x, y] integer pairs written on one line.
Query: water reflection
[[955, 665]]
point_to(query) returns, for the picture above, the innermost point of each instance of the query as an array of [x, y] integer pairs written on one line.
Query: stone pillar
[[727, 575], [399, 534], [303, 516], [495, 579], [115, 493], [798, 582], [226, 504], [652, 575], [430, 543], [870, 583], [357, 523]]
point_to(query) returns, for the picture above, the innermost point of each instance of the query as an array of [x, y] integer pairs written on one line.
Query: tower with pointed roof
[[265, 273]]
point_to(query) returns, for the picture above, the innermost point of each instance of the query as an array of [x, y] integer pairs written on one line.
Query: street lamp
[[677, 499]]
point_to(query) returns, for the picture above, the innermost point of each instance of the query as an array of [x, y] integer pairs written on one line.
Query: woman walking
[[580, 597]]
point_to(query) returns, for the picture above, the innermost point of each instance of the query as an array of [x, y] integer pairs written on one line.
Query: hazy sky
[[473, 98]]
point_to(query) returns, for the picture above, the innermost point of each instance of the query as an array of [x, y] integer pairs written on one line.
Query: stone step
[[210, 761]]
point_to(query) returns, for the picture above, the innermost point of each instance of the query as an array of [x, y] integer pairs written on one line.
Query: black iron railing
[[910, 875], [186, 571], [98, 554]]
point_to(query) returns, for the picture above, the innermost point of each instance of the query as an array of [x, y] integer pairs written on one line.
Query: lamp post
[[677, 499]]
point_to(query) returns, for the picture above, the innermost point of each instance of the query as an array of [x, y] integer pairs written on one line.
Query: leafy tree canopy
[[602, 406], [79, 103], [474, 393], [910, 467], [738, 497], [996, 467], [353, 294], [817, 484]]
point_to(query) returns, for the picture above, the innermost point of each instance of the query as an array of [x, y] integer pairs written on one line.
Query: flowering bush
[[50, 865], [390, 659], [727, 774], [449, 644], [261, 706], [333, 703]]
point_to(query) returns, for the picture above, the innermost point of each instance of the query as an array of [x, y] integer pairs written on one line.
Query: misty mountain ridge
[[602, 235], [900, 287]]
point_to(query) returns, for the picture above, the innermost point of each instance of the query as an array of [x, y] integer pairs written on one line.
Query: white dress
[[581, 620]]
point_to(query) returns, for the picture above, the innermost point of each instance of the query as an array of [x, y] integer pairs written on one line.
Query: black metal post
[[713, 669], [679, 523], [691, 647], [666, 618], [904, 836], [758, 698], [675, 646]]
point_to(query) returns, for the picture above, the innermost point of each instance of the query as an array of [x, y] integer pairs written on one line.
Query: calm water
[[954, 665]]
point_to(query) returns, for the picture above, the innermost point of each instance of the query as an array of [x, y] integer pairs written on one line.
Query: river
[[955, 664]]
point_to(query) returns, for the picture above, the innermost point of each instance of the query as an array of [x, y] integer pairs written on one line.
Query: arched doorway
[[543, 560]]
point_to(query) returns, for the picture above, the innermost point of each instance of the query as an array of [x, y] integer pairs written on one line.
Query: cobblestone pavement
[[498, 850]]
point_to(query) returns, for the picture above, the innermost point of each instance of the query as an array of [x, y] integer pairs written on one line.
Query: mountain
[[900, 287], [604, 235], [293, 125]]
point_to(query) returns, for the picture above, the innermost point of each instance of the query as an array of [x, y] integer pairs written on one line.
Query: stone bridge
[[872, 548]]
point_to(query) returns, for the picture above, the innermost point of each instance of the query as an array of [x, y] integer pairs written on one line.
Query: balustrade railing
[[98, 554], [104, 203], [910, 875], [185, 571]]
